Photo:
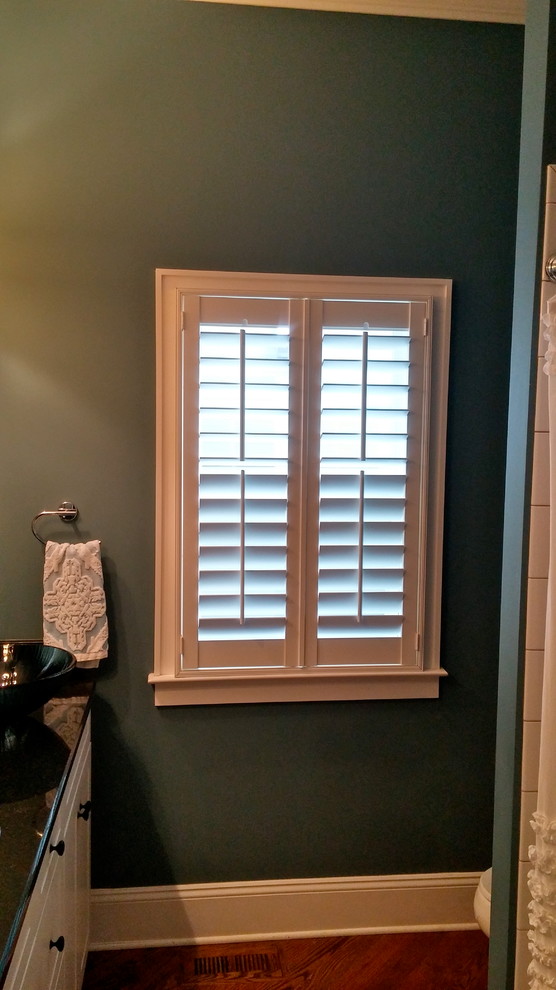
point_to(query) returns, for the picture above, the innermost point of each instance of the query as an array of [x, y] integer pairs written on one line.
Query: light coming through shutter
[[244, 387], [363, 456], [371, 418]]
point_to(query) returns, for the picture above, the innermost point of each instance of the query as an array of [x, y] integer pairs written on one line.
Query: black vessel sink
[[30, 674]]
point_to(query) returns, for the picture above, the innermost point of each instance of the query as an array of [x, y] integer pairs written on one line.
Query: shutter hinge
[[425, 326], [182, 646], [417, 642]]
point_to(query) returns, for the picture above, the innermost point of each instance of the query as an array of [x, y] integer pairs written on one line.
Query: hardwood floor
[[412, 961]]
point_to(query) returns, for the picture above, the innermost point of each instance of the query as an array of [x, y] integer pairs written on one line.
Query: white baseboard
[[268, 909]]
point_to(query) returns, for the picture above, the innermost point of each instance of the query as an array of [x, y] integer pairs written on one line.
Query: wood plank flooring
[[412, 961]]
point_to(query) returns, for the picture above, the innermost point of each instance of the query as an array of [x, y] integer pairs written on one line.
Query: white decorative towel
[[74, 605]]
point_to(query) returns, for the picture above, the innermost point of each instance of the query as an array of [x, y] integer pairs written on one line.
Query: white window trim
[[172, 686]]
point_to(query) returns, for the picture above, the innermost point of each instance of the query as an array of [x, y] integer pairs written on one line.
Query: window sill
[[253, 688]]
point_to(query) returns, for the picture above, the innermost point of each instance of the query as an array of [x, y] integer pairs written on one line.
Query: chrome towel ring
[[66, 511]]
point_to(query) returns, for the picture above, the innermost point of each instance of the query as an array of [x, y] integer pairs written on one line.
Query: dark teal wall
[[139, 134]]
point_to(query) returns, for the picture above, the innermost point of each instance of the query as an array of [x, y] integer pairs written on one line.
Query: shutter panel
[[244, 388], [370, 483]]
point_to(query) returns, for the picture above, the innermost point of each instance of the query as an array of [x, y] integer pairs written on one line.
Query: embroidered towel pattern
[[74, 604]]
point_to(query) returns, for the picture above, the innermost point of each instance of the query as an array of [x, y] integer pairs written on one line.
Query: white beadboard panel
[[502, 11], [540, 491], [232, 912], [541, 406], [539, 541], [522, 960], [530, 756], [532, 700], [527, 836], [536, 613]]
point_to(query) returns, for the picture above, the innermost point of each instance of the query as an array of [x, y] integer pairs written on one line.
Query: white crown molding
[[498, 11], [185, 914]]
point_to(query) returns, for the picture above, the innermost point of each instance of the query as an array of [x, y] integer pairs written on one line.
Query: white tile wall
[[530, 760], [539, 544], [532, 702], [522, 960], [536, 612], [551, 185], [528, 806], [540, 494], [536, 607], [534, 657], [541, 407]]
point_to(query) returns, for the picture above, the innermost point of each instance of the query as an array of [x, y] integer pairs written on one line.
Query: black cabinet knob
[[84, 811], [58, 944], [58, 848]]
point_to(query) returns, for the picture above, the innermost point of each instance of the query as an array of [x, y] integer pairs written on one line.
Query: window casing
[[300, 465]]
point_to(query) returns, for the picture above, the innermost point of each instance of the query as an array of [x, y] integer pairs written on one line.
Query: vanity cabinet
[[51, 948]]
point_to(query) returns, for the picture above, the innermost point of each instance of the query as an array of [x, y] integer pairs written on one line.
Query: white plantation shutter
[[243, 426], [372, 411], [299, 499], [370, 381], [244, 385]]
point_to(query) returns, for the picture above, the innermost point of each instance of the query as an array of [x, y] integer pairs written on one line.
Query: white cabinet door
[[38, 962], [51, 950], [76, 813]]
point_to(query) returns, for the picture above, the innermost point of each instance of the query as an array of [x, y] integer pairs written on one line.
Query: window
[[300, 464]]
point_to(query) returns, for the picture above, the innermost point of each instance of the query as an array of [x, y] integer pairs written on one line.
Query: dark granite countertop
[[36, 756]]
